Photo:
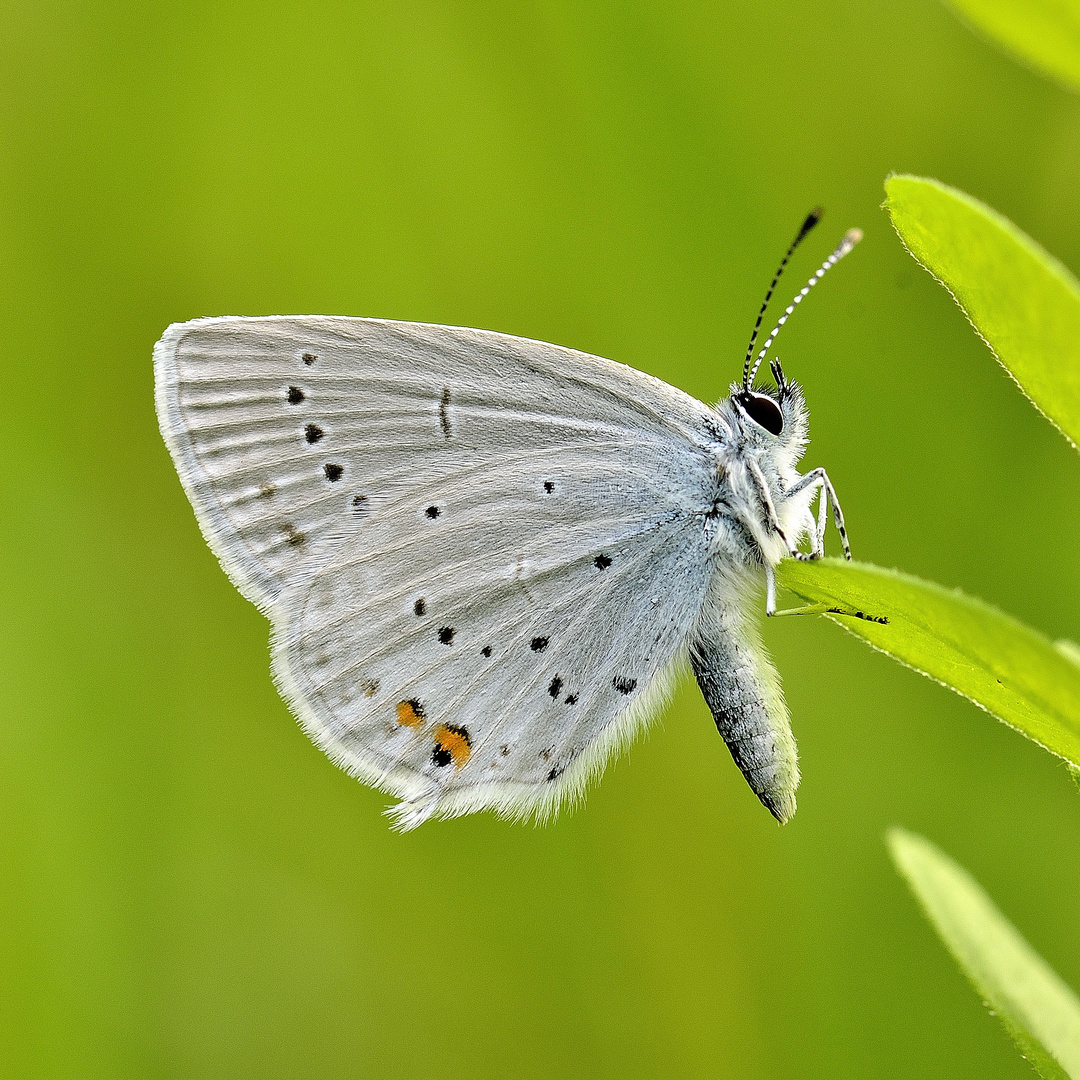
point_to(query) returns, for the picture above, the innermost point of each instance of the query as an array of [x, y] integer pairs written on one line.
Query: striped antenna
[[851, 238], [811, 220]]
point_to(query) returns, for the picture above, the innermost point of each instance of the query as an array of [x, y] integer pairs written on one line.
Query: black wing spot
[[555, 773], [313, 433], [623, 684], [441, 756], [444, 412], [549, 486], [309, 358], [360, 504], [504, 749], [446, 634], [433, 512], [571, 699], [295, 395], [293, 535], [538, 644], [419, 607], [333, 472], [486, 650], [555, 687], [602, 562]]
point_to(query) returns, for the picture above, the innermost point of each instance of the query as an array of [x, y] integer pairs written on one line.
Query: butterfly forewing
[[478, 552]]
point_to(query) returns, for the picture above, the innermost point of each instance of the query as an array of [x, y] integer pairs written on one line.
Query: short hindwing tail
[[742, 690]]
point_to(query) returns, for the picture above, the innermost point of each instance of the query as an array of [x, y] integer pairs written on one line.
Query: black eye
[[764, 411]]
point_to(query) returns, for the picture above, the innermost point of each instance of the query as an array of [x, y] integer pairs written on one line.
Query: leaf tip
[[909, 851], [900, 841]]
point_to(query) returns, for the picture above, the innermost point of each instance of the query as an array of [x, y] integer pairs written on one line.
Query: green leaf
[[1022, 301], [1038, 1009], [1074, 772], [1069, 649], [1042, 33], [1006, 668]]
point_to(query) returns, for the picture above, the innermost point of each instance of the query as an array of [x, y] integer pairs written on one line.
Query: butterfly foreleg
[[819, 479]]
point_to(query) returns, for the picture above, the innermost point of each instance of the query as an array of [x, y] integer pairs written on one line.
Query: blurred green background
[[188, 888]]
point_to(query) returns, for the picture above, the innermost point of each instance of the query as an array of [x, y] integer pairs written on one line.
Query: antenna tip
[[851, 238], [812, 219]]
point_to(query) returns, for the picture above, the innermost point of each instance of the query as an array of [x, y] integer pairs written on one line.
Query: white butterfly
[[483, 557]]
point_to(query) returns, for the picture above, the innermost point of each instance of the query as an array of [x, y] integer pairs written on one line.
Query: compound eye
[[763, 411]]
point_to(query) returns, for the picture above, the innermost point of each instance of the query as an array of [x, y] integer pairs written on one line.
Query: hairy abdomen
[[742, 691]]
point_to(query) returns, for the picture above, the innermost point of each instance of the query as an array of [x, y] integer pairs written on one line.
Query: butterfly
[[485, 559]]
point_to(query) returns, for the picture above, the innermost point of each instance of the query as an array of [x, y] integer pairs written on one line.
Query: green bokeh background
[[188, 888]]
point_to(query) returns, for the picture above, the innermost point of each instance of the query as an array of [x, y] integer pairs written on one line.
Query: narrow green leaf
[[1068, 649], [1006, 668], [1042, 33], [1038, 1009], [1071, 651], [1022, 301], [1074, 772]]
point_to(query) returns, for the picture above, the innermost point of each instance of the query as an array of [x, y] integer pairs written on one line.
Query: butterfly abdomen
[[742, 690]]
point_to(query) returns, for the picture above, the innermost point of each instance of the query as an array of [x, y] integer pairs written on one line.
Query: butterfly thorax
[[755, 469]]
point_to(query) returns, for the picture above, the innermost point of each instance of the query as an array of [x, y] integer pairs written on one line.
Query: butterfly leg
[[771, 516], [822, 520], [817, 525], [811, 609], [819, 478], [827, 496], [770, 600]]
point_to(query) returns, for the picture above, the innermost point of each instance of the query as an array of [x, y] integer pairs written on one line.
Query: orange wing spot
[[454, 741], [410, 713]]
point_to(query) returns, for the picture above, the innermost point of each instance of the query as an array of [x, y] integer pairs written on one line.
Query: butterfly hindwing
[[485, 656]]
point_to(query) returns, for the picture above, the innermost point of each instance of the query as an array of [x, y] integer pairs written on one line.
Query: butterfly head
[[775, 419]]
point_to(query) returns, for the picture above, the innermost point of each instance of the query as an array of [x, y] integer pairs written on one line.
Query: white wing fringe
[[542, 803]]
